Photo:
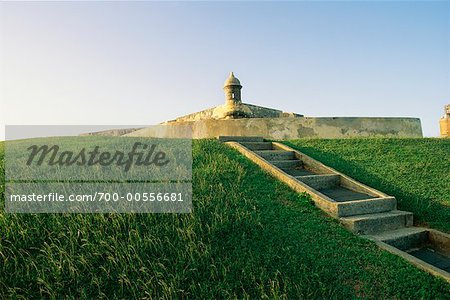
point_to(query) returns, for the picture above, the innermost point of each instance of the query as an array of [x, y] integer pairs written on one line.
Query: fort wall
[[290, 128]]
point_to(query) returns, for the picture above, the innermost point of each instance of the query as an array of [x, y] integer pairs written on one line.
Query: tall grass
[[249, 236]]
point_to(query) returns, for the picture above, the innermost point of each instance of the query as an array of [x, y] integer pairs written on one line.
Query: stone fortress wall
[[235, 118], [290, 128]]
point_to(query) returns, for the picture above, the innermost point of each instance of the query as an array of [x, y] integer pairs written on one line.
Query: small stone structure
[[233, 108], [237, 118], [444, 123]]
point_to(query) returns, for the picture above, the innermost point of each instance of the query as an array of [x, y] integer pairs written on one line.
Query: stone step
[[342, 194], [434, 258], [287, 164], [276, 155], [379, 222], [317, 182], [364, 207], [257, 145], [375, 217], [299, 171], [239, 139], [404, 238]]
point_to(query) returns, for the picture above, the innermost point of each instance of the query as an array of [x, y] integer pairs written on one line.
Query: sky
[[136, 63]]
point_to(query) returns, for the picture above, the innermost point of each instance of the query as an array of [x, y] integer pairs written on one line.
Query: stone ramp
[[361, 209]]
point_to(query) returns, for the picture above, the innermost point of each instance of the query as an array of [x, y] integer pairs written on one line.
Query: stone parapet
[[294, 128]]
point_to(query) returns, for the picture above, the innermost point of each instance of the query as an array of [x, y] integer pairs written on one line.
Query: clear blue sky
[[147, 62]]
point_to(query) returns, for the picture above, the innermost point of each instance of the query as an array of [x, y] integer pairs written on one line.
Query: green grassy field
[[248, 236], [415, 171]]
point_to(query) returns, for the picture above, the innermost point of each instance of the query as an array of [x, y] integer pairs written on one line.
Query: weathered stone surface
[[379, 222], [318, 182], [275, 154], [234, 110], [294, 128], [257, 145], [343, 194], [374, 205], [404, 238]]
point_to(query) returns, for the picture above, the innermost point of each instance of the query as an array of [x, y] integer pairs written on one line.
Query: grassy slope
[[249, 235], [416, 171]]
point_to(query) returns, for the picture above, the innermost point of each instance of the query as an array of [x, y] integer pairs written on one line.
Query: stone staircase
[[361, 209]]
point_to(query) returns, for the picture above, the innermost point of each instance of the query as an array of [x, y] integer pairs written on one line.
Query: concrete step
[[276, 155], [299, 171], [364, 207], [403, 238], [317, 182], [379, 222], [433, 257], [239, 139], [287, 164], [257, 145], [342, 194]]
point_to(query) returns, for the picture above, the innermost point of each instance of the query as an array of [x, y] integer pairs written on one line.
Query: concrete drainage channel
[[361, 209]]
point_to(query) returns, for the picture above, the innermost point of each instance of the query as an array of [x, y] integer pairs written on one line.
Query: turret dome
[[231, 80]]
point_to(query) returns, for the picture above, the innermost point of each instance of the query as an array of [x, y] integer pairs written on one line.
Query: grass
[[249, 236], [415, 171]]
